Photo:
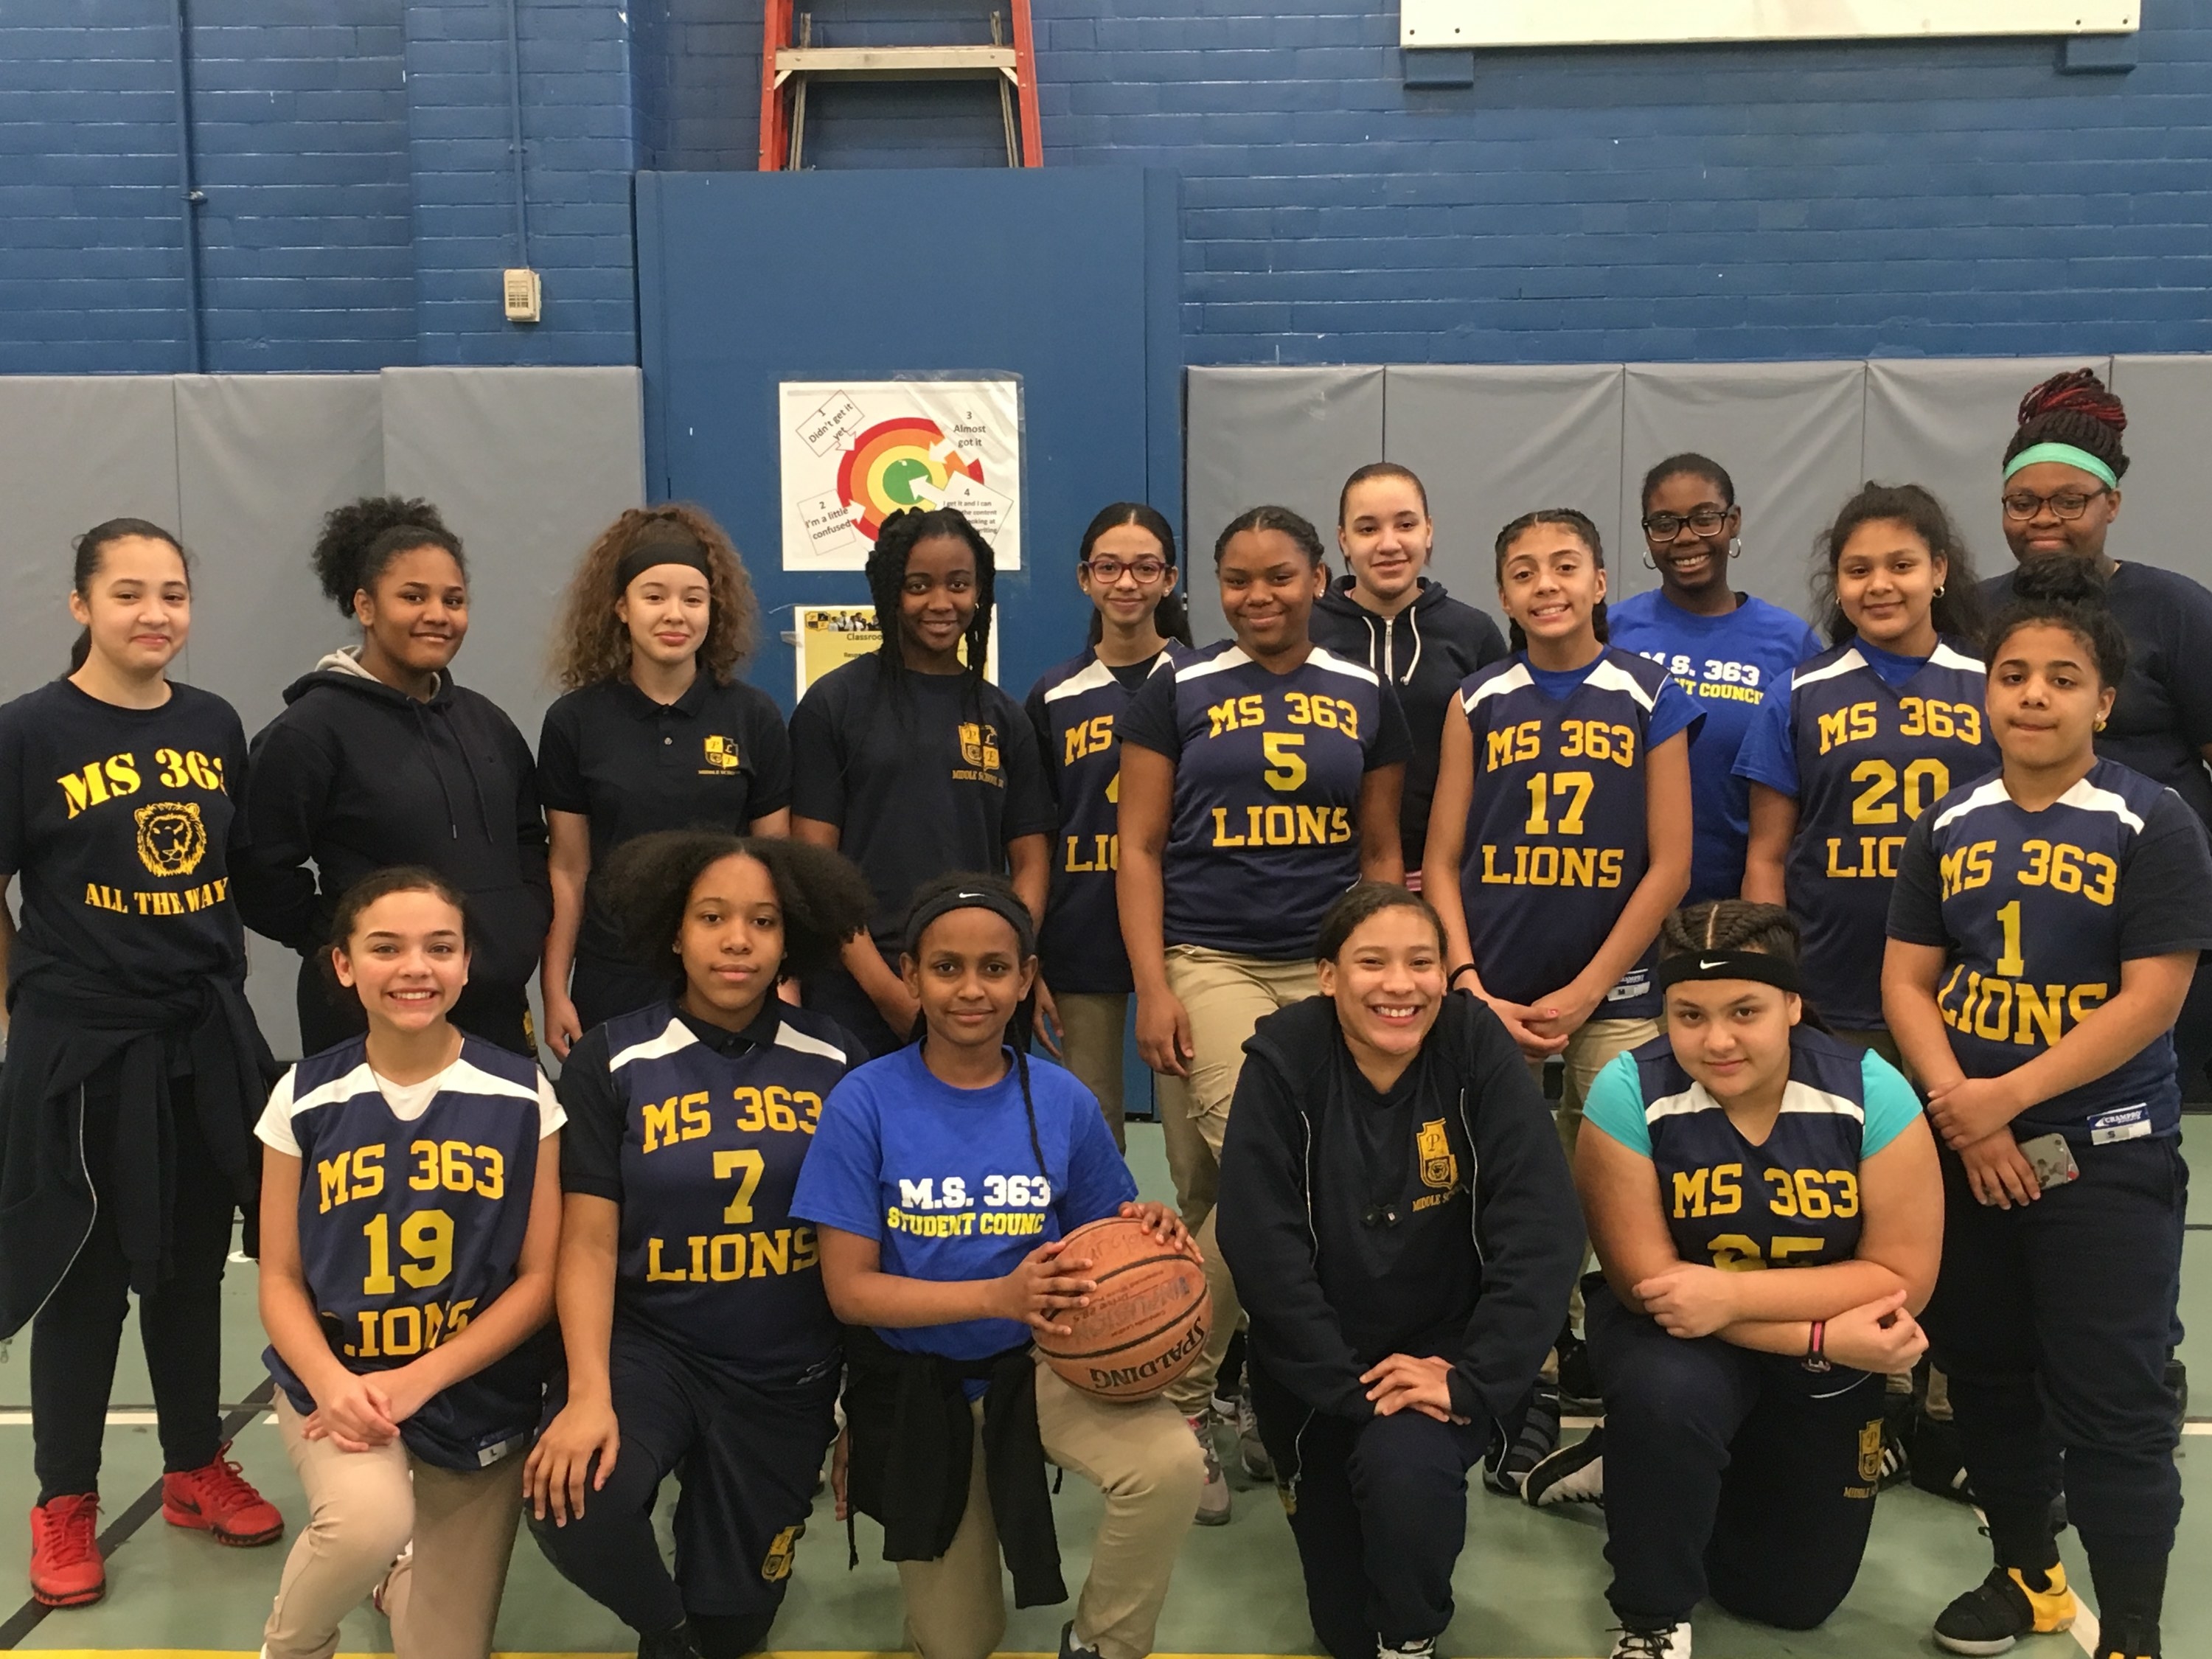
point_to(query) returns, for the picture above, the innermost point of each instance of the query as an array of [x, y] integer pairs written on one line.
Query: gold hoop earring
[[2100, 725]]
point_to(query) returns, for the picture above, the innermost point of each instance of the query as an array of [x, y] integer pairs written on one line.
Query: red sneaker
[[66, 1570], [218, 1499]]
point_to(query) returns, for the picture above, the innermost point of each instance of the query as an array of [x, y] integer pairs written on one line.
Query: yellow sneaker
[[2003, 1608]]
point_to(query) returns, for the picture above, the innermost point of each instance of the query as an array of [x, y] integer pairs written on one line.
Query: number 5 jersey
[[414, 1201]]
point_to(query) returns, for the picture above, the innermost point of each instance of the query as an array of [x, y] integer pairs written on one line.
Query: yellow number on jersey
[[1286, 768], [749, 1167], [1541, 789]]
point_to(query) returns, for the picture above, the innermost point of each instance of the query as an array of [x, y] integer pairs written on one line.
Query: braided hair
[[1737, 925], [2077, 409], [1295, 524], [1585, 530], [962, 890], [886, 571]]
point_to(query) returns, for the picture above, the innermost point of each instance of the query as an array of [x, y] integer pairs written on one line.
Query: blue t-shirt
[[946, 1180], [1865, 742], [1733, 667], [1264, 831], [1790, 1201], [2037, 913], [1555, 839]]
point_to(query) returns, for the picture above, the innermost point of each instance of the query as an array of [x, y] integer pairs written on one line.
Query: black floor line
[[29, 1617]]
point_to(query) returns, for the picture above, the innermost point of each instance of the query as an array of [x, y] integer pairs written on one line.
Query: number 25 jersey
[[2038, 912], [414, 1201]]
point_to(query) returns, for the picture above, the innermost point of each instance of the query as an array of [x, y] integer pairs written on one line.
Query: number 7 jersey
[[414, 1201]]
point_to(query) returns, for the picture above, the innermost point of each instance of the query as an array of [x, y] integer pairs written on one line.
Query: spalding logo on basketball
[[1147, 1321]]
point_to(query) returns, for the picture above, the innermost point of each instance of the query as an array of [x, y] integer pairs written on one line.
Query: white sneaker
[[1572, 1474], [1670, 1642], [1411, 1651], [1213, 1496]]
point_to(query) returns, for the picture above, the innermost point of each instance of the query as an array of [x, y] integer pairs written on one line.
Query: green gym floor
[[1530, 1583]]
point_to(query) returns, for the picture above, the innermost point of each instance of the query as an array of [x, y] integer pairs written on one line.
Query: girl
[[2043, 933], [1127, 568], [1384, 531], [1404, 1236], [1259, 780], [2062, 495], [380, 759], [1871, 734], [698, 1337], [943, 1395], [655, 733], [134, 1067], [1730, 651], [405, 1287], [1741, 1443], [911, 762]]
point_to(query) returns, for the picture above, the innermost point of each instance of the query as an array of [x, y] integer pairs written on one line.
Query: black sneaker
[[2003, 1608], [1578, 1390], [1070, 1648], [679, 1642], [1572, 1474], [1653, 1642], [2128, 1639], [1938, 1463], [1538, 1439]]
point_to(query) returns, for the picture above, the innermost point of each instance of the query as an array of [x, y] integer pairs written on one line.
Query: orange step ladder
[[789, 65]]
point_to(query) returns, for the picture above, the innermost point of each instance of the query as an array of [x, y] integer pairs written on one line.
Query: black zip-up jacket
[[358, 777], [1425, 651], [1320, 1210]]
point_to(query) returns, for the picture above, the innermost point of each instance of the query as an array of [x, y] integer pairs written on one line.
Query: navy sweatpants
[[1379, 1511], [1729, 1473]]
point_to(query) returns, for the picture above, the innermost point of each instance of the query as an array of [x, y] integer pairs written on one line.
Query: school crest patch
[[782, 1551], [1870, 1451], [721, 755], [1439, 1168], [979, 745], [171, 840]]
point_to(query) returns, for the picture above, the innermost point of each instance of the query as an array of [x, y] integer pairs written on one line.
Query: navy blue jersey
[[1555, 835], [1074, 708], [2037, 912], [1265, 829], [1864, 753], [1790, 1201], [699, 1134], [414, 1201]]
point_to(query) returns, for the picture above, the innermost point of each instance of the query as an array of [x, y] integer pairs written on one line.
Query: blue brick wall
[[1731, 202]]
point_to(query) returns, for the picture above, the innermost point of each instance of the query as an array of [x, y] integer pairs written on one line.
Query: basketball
[[1148, 1320]]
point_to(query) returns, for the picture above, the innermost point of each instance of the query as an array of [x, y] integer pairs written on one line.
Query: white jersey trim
[[675, 1037], [1610, 676], [2090, 798], [1991, 794], [1944, 657], [1234, 657], [1515, 678], [1797, 1097], [786, 1037], [1850, 662], [1331, 663], [1094, 676]]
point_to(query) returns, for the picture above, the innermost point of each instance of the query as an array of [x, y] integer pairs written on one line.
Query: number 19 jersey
[[414, 1201]]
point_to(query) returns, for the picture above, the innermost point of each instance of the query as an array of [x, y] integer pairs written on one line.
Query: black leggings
[[76, 1335]]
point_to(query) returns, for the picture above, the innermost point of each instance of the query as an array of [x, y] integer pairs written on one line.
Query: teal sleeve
[[1615, 1104], [1891, 1105]]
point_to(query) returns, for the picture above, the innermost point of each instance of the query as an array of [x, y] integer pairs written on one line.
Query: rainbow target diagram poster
[[855, 452]]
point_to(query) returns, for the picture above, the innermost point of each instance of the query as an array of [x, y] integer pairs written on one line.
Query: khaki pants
[[1151, 1470], [1589, 1051], [364, 1507], [1092, 1025], [1225, 997]]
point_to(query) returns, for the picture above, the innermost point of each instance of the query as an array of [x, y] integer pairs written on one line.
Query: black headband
[[978, 897], [662, 542], [1778, 971]]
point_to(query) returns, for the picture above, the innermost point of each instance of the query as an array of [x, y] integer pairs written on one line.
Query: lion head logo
[[171, 840]]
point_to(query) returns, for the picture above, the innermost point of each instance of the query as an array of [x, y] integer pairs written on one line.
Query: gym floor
[[1530, 1583]]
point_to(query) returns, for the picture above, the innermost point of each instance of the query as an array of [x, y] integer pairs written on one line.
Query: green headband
[[2066, 452]]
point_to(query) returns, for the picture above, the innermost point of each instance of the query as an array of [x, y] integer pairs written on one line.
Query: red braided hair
[[2075, 408]]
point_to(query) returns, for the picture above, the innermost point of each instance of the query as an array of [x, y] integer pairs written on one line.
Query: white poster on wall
[[855, 452]]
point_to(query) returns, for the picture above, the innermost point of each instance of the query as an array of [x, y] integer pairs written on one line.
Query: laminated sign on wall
[[855, 452], [827, 636]]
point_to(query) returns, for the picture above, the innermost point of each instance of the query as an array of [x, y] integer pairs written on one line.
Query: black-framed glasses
[[2022, 505], [1108, 570], [1665, 526]]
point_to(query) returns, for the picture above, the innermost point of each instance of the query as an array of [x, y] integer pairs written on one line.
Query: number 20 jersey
[[1871, 758], [411, 1227]]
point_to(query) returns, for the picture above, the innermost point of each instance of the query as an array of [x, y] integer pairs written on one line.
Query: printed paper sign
[[831, 636]]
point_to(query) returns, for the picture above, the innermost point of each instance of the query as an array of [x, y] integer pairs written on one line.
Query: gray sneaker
[[1250, 1452], [1213, 1496]]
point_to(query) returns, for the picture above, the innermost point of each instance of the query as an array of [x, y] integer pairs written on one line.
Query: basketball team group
[[1768, 1040]]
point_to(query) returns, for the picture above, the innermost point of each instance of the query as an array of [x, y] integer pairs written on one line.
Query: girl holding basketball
[[1869, 735], [698, 1338], [1404, 1234], [1138, 628], [2043, 932], [942, 1179]]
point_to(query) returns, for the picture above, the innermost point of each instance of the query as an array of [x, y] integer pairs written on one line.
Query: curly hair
[[886, 571], [2075, 409], [359, 539], [1955, 611], [647, 886], [591, 644]]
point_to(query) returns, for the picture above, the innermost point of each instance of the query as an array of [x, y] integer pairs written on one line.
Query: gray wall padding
[[1490, 441], [1789, 435], [1262, 436], [2162, 514]]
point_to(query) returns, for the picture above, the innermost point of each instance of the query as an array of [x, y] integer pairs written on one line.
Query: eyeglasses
[[1665, 526], [1109, 570], [2070, 504]]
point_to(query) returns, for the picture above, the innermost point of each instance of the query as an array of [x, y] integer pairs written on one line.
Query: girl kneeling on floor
[[405, 1288], [942, 1392], [1742, 1439]]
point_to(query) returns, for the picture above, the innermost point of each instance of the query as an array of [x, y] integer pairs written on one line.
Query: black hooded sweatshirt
[[1425, 651], [358, 777], [1436, 1219]]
